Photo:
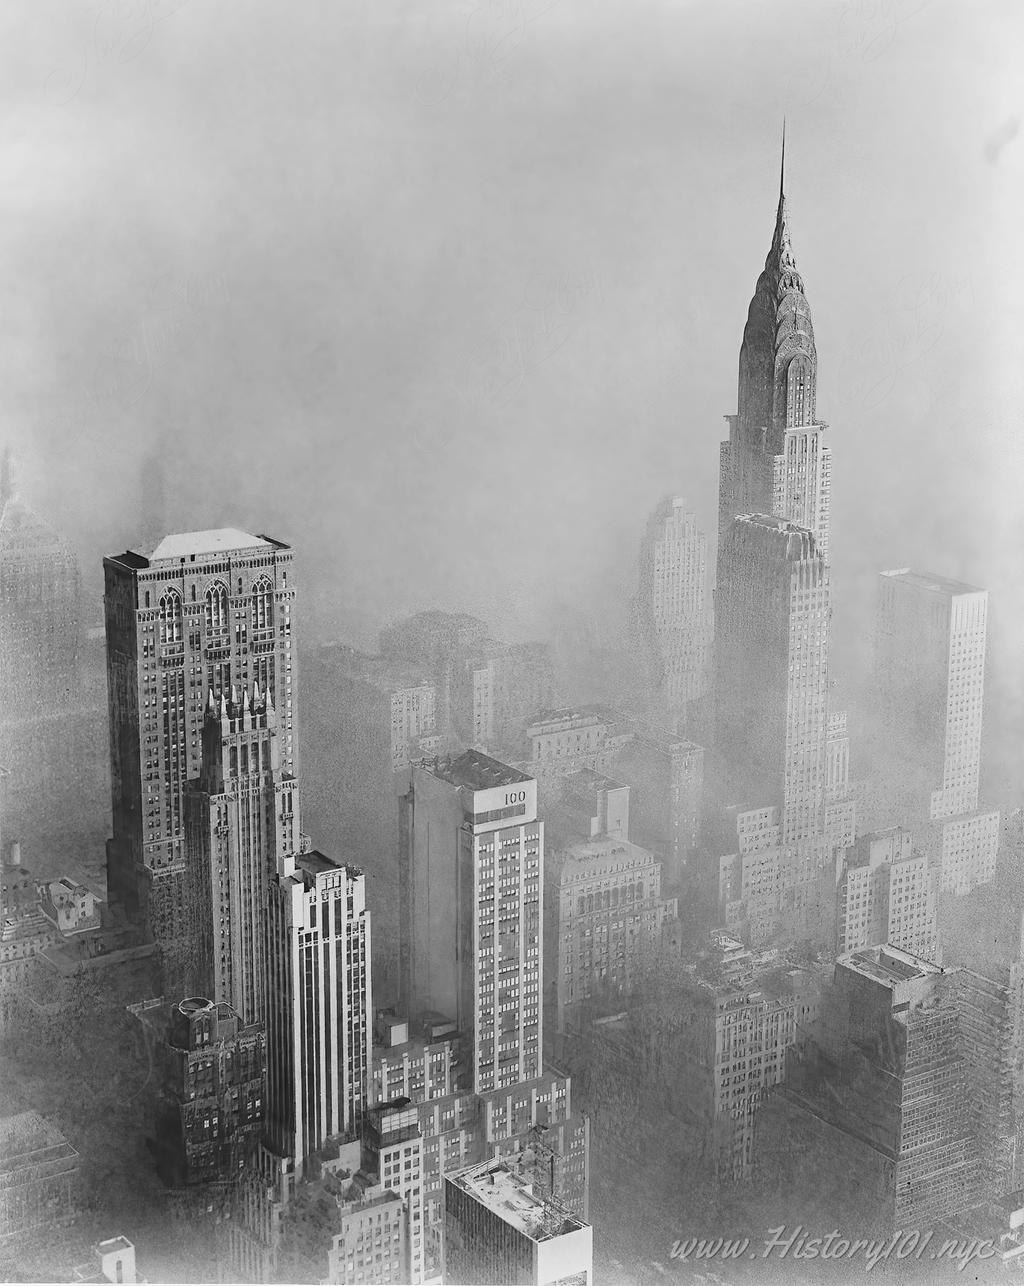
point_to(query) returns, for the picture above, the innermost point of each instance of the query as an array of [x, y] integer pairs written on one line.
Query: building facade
[[319, 1004], [610, 918], [241, 815], [38, 1176], [470, 877], [773, 608], [888, 893], [670, 612], [199, 613], [930, 684], [211, 1088]]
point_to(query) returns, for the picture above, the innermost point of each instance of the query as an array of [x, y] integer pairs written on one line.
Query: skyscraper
[[671, 622], [319, 1003], [470, 877], [200, 612], [241, 818], [930, 680], [772, 669], [776, 459], [930, 685]]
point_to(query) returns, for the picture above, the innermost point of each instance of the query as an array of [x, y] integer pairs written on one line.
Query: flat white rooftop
[[221, 540], [511, 1198], [932, 583]]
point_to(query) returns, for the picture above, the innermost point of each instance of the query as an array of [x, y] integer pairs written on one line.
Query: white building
[[498, 1231], [470, 878], [930, 681], [319, 1003]]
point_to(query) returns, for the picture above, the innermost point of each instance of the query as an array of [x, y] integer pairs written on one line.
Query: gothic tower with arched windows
[[198, 614]]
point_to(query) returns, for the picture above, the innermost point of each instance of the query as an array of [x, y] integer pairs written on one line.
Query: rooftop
[[317, 863], [888, 965], [511, 1197], [931, 583], [196, 544], [24, 1139], [602, 853], [478, 771]]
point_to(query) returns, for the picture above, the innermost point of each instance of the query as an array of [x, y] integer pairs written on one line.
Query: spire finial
[[782, 167]]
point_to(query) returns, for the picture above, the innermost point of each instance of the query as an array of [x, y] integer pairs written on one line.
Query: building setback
[[198, 613], [887, 893]]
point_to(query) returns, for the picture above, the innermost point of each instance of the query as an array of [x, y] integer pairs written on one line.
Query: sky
[[449, 295]]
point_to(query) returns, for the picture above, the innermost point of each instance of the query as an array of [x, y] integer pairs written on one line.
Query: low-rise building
[[210, 1090], [38, 1173], [498, 1230], [70, 906]]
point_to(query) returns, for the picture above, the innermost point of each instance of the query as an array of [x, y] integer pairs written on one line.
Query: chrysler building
[[776, 460]]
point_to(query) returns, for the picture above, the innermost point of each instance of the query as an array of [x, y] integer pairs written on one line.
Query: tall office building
[[776, 459], [471, 857], [319, 1007], [930, 685], [197, 613], [772, 669], [241, 816], [930, 680], [876, 1102], [671, 621]]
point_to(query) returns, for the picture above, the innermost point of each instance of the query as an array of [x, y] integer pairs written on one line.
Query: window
[[216, 609], [170, 617], [262, 604]]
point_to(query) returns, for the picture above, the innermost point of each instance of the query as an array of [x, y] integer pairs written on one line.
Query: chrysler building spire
[[776, 460], [778, 362]]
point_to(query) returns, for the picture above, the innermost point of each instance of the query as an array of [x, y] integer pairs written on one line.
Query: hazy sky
[[448, 295]]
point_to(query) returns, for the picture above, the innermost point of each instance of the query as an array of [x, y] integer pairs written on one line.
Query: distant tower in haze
[[776, 459], [40, 610], [670, 614], [930, 679], [930, 683], [771, 696], [197, 613]]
